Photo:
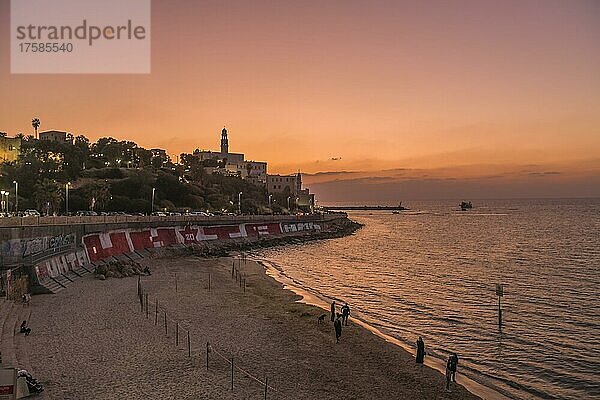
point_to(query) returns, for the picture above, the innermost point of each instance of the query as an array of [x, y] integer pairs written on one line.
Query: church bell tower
[[224, 142]]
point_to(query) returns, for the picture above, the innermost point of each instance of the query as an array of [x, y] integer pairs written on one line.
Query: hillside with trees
[[119, 176]]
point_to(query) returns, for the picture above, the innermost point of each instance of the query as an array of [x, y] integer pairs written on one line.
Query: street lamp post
[[153, 191], [2, 194], [16, 196], [288, 202], [270, 207], [240, 203], [67, 198]]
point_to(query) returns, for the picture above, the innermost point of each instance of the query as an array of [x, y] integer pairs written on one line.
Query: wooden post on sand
[[189, 345], [266, 386]]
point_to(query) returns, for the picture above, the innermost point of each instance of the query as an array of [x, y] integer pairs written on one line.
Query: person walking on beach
[[345, 313], [338, 328], [448, 372], [453, 365], [333, 311], [420, 350]]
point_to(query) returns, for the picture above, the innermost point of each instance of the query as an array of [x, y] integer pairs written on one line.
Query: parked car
[[31, 213], [87, 213]]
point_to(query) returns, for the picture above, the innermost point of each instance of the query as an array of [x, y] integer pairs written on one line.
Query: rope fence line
[[248, 374], [146, 304]]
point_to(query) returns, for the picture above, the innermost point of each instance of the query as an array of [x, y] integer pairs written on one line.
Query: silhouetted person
[[420, 350], [448, 373], [147, 271], [338, 328], [25, 329], [453, 365], [345, 313], [332, 311]]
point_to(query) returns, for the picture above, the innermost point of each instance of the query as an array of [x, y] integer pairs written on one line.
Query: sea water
[[432, 272]]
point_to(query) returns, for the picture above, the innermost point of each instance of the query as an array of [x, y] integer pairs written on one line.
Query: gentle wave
[[429, 273]]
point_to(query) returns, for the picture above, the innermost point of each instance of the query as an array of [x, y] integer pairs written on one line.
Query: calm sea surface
[[432, 272]]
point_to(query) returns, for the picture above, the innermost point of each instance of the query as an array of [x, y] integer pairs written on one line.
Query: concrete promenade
[[12, 222]]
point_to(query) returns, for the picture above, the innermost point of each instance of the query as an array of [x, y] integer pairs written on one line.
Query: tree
[[143, 157], [35, 122], [47, 196], [249, 206], [97, 195], [157, 162], [194, 167], [82, 145]]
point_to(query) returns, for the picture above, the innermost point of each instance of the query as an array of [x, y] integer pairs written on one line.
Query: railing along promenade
[[122, 219]]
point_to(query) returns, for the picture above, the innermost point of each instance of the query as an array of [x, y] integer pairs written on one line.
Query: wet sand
[[91, 341]]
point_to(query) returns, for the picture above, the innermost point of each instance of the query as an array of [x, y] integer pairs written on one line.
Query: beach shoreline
[[263, 327], [477, 388]]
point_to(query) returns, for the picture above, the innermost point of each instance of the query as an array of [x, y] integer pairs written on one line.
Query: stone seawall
[[47, 251], [332, 229], [22, 239]]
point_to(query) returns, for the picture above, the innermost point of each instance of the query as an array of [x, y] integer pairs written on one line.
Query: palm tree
[[98, 194], [47, 195], [35, 122]]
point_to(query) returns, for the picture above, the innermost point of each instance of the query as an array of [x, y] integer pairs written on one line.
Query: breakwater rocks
[[335, 229], [118, 269]]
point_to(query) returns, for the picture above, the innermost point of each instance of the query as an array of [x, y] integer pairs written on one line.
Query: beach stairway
[[20, 341], [13, 344], [8, 320], [5, 307]]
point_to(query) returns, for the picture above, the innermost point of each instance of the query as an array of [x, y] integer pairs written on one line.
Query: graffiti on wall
[[28, 247], [102, 245], [60, 264], [300, 226]]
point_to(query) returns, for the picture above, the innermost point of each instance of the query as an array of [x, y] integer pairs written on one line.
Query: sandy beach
[[92, 341]]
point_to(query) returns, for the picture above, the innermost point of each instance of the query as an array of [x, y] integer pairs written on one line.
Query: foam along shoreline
[[308, 298]]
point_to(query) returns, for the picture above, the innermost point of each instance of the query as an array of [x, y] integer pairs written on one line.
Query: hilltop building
[[285, 183], [291, 184], [235, 163], [56, 136], [224, 154], [9, 148]]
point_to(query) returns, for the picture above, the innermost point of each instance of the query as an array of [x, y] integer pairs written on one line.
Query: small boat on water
[[465, 205]]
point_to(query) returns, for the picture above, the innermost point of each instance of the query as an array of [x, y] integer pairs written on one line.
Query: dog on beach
[[321, 319]]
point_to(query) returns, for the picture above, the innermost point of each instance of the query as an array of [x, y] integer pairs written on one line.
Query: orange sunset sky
[[501, 98]]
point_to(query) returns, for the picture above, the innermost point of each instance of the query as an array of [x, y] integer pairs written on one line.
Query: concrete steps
[[52, 286], [60, 282], [13, 344], [20, 342], [5, 309], [84, 270], [134, 256], [9, 359]]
